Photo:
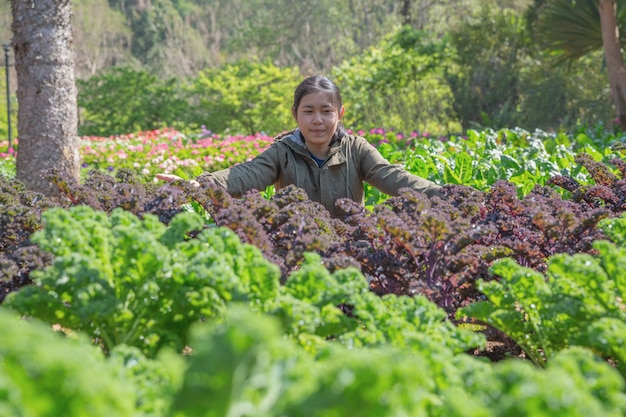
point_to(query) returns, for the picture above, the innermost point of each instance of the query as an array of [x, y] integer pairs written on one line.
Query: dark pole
[[6, 66]]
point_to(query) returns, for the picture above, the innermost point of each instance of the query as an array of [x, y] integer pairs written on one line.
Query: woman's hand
[[168, 177], [172, 177]]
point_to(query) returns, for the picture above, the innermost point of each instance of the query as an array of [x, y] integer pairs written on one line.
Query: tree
[[102, 37], [399, 84], [124, 100], [574, 29], [46, 92], [245, 97], [614, 61], [490, 46]]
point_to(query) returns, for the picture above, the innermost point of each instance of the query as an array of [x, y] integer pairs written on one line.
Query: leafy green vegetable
[[125, 280], [574, 383], [154, 381], [241, 367], [43, 373]]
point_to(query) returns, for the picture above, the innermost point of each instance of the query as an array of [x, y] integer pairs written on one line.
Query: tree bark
[[405, 13], [616, 70], [47, 116]]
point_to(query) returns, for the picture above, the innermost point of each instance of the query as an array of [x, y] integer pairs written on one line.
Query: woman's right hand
[[168, 177], [172, 177]]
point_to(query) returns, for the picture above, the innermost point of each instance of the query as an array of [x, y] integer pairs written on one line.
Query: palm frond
[[570, 28]]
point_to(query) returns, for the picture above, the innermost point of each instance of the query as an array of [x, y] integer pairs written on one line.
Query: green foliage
[[101, 38], [312, 35], [480, 158], [483, 71], [575, 383], [244, 366], [485, 81], [572, 29], [154, 382], [241, 366], [577, 302], [501, 78], [456, 67], [399, 84], [124, 100], [332, 347], [123, 280], [4, 120], [7, 168], [553, 97], [128, 281], [615, 230], [6, 18], [162, 39], [265, 375], [245, 97], [43, 373]]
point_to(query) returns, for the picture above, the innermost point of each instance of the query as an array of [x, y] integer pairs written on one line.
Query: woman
[[319, 156]]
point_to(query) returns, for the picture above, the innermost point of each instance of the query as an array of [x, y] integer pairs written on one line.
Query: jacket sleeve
[[386, 177], [255, 174]]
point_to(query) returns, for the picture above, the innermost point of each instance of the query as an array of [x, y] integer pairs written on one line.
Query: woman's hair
[[320, 84]]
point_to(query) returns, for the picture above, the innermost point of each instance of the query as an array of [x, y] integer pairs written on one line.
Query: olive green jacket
[[351, 161]]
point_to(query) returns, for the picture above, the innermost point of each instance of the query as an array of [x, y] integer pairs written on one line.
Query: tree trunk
[[616, 70], [46, 92], [405, 13]]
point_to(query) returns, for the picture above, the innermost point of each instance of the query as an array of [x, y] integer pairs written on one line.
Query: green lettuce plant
[[43, 373], [125, 280], [579, 301]]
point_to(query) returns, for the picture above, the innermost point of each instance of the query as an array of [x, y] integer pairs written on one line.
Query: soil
[[499, 347], [497, 351]]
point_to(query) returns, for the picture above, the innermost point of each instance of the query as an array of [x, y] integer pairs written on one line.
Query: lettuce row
[[125, 280], [243, 366], [321, 344], [579, 301], [315, 305]]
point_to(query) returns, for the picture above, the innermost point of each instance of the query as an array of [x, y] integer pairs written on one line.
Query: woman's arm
[[255, 174], [386, 177]]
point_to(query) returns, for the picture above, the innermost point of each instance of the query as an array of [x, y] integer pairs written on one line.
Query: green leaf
[[43, 373]]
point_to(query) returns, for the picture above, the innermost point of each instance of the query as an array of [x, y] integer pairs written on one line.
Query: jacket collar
[[295, 140], [296, 137]]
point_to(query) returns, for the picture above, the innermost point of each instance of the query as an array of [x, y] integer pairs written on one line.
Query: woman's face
[[317, 118]]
